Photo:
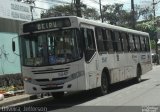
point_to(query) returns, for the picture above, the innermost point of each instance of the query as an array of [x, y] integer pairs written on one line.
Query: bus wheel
[[58, 95], [139, 73], [103, 90]]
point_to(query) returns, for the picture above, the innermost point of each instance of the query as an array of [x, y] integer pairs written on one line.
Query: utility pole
[[72, 7], [156, 39], [100, 7], [78, 7], [31, 7], [133, 14]]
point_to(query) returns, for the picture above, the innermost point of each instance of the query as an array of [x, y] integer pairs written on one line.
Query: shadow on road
[[79, 98], [125, 84]]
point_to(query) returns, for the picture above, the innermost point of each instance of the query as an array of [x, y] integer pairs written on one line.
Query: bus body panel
[[73, 77]]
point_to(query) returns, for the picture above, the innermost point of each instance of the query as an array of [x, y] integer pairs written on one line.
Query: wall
[[9, 62]]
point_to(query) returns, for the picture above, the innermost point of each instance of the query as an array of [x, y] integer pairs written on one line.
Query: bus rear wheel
[[103, 89], [58, 95]]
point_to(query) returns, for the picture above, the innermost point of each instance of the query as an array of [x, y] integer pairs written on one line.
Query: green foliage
[[147, 26], [90, 13], [153, 44], [115, 14], [71, 10]]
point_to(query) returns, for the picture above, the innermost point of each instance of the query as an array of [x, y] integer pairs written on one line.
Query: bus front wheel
[[103, 89], [58, 95]]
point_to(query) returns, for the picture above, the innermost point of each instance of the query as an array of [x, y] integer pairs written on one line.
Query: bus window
[[125, 41], [147, 44], [142, 43], [109, 41], [117, 42], [137, 43], [131, 43], [115, 48], [121, 42], [89, 43], [100, 37], [105, 43]]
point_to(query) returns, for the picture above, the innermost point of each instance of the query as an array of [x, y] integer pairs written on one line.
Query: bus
[[71, 54]]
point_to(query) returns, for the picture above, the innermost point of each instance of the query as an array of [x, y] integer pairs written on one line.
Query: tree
[[115, 14], [90, 13], [146, 13], [147, 26], [71, 10]]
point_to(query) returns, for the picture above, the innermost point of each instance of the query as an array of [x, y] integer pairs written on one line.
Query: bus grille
[[50, 71], [62, 78], [42, 80], [52, 88]]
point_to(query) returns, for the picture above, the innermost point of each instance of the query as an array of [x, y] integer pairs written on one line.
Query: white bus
[[69, 54]]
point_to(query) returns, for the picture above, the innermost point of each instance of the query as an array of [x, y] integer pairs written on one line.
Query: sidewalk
[[14, 99]]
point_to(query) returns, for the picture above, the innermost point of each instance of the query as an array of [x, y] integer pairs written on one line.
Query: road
[[124, 97]]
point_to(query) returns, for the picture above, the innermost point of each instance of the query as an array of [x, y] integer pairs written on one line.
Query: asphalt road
[[123, 97]]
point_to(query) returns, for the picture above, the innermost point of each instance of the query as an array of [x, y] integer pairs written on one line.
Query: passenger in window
[[52, 58], [40, 50]]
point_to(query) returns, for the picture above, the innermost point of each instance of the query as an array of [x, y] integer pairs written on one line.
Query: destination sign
[[46, 24]]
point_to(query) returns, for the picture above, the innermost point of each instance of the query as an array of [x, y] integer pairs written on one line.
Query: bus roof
[[95, 23], [106, 25]]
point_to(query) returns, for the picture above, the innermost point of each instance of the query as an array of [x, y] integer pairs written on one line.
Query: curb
[[14, 101], [37, 102]]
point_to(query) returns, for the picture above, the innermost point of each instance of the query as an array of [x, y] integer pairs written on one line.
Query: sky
[[46, 4]]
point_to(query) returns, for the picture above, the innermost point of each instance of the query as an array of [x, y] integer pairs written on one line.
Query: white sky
[[46, 4]]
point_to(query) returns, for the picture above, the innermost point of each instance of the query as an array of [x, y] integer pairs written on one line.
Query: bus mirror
[[13, 46]]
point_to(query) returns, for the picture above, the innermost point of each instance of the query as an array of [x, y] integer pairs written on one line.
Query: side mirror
[[13, 46]]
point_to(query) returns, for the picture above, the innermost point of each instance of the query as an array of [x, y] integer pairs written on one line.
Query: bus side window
[[131, 43], [142, 43], [115, 47], [109, 41], [137, 43], [128, 45], [89, 39], [121, 41], [125, 41], [118, 40], [147, 44], [99, 37], [139, 38], [105, 43], [134, 41]]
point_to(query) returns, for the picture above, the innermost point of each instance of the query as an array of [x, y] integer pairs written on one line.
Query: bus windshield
[[49, 48]]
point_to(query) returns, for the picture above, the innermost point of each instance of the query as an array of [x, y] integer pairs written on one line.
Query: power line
[[64, 2], [97, 2]]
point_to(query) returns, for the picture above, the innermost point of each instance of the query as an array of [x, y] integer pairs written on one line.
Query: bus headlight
[[76, 75], [27, 79]]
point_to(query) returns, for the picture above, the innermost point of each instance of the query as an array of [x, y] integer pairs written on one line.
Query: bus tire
[[58, 95], [103, 89], [139, 73]]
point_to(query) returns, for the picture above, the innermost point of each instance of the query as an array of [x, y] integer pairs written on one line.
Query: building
[[12, 14]]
